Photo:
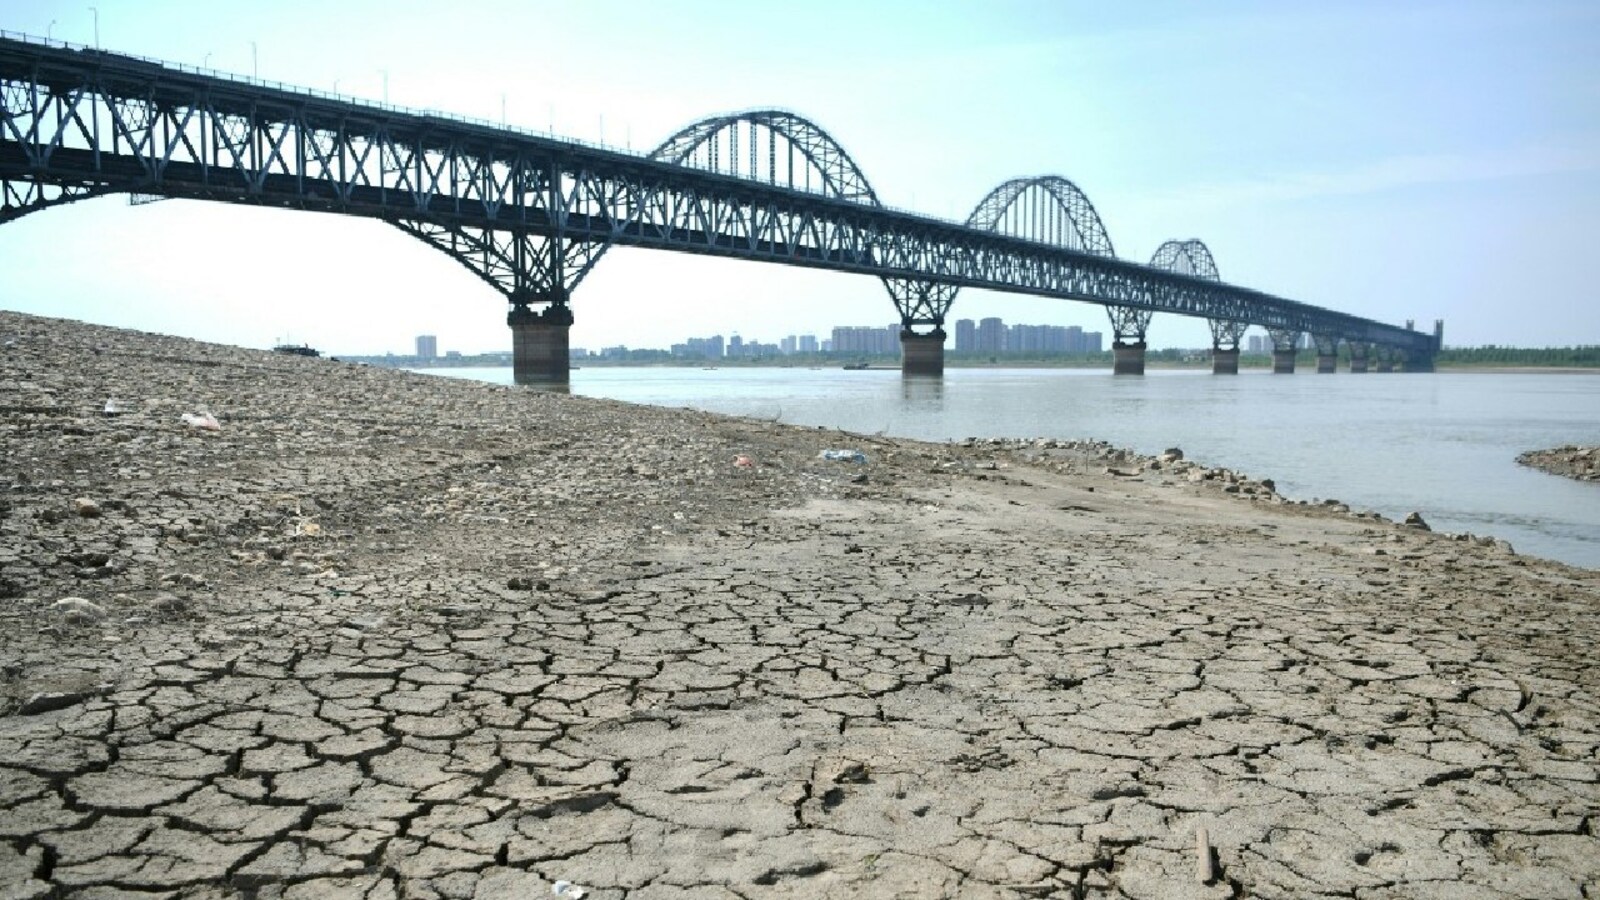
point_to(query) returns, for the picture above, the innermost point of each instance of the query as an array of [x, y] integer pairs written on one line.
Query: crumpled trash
[[115, 407], [743, 462], [567, 890], [203, 420], [855, 456]]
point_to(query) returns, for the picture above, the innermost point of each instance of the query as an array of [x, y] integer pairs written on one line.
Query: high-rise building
[[966, 335], [863, 340], [427, 346], [808, 343], [991, 336]]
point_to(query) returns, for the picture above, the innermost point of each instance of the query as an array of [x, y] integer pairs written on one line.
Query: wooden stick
[[1206, 871]]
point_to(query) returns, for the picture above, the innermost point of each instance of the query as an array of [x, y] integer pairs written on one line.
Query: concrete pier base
[[1283, 362], [1127, 359], [922, 354], [1224, 362], [1418, 362], [539, 350], [1385, 365], [1327, 364]]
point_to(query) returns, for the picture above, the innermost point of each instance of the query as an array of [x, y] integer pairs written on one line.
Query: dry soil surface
[[384, 635]]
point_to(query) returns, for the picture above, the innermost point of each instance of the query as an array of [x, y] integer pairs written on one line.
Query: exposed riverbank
[[1580, 463], [397, 635]]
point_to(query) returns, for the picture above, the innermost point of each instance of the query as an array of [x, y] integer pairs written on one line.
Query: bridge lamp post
[[255, 67], [385, 73], [205, 62], [49, 31], [94, 11]]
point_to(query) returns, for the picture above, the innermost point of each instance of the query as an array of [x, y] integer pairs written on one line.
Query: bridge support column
[[922, 354], [1225, 335], [1327, 353], [1358, 357], [1128, 327], [1385, 361], [1285, 344], [1127, 359], [539, 350], [1416, 361]]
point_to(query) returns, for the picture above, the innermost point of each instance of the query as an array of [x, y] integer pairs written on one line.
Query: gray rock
[[79, 610]]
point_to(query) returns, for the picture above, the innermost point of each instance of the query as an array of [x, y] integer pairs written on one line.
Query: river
[[1444, 445]]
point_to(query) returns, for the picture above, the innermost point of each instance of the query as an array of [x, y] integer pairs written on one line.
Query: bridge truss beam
[[77, 123]]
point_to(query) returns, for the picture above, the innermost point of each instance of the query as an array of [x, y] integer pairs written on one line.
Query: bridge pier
[[1128, 327], [1284, 347], [1225, 335], [1416, 361], [922, 354], [540, 353], [1327, 353], [1358, 357], [1385, 361], [1224, 362], [1127, 359]]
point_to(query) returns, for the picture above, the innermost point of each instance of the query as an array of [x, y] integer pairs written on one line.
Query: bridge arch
[[1191, 257], [1045, 208], [773, 146], [766, 145], [1049, 209]]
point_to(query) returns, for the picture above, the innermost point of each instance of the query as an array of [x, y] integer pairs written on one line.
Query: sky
[[1427, 160]]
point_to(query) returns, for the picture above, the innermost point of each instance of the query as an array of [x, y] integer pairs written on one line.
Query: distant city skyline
[[992, 335]]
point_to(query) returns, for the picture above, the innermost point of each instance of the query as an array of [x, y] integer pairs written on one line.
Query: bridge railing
[[325, 95], [368, 103]]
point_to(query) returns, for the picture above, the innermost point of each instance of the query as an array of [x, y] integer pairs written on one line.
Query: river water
[[1444, 445]]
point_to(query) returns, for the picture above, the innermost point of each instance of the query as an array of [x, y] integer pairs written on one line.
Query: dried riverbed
[[387, 635]]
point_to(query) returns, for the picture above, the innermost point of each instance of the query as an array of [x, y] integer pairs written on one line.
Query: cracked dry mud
[[389, 635]]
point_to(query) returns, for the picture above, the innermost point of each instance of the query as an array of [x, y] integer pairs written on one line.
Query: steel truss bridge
[[533, 214]]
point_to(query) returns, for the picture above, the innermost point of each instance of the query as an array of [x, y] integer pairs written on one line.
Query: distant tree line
[[1586, 357]]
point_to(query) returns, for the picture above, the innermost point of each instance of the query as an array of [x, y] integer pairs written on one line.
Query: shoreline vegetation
[[1491, 359], [281, 626]]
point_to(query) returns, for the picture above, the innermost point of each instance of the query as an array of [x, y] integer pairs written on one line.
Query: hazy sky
[[1420, 160]]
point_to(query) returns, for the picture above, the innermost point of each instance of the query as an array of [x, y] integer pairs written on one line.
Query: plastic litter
[[567, 890], [743, 462], [855, 456], [203, 420], [115, 407]]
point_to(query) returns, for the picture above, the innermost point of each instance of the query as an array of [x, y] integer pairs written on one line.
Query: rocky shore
[[278, 627], [1582, 463]]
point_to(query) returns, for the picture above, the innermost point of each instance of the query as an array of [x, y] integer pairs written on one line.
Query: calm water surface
[[1444, 445]]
